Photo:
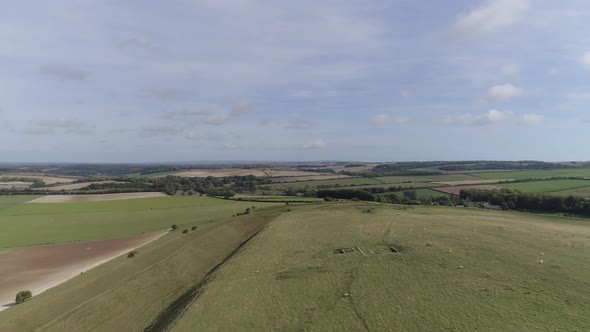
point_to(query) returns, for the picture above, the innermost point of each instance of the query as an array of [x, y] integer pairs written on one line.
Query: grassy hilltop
[[457, 269]]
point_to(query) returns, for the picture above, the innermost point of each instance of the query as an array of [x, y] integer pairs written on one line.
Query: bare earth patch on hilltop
[[94, 198]]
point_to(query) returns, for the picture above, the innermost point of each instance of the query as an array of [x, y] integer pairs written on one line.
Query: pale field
[[309, 178], [468, 182], [16, 184], [94, 198], [46, 179], [242, 172], [75, 186]]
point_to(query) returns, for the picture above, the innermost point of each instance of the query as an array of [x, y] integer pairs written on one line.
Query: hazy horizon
[[184, 80]]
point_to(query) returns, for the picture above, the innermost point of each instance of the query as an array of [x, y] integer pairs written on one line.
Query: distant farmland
[[33, 224], [547, 186], [532, 174]]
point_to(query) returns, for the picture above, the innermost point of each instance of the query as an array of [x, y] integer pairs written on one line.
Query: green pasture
[[547, 186], [35, 223]]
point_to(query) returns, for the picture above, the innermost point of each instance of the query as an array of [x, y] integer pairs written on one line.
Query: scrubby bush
[[185, 231], [174, 227], [328, 199], [193, 228], [132, 254], [22, 296]]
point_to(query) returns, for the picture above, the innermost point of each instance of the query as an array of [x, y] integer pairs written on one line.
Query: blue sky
[[188, 80]]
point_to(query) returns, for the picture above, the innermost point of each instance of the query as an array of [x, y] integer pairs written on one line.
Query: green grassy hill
[[127, 294], [459, 269]]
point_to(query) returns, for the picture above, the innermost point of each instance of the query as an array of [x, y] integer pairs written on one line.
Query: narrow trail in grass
[[351, 299], [178, 307]]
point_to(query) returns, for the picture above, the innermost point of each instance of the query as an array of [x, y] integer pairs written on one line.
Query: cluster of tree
[[546, 179], [346, 194], [514, 199], [246, 212], [410, 197], [381, 190]]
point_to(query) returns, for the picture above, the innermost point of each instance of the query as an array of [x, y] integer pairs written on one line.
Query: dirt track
[[42, 267]]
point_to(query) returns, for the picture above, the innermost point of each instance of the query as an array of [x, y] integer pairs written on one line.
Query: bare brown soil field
[[94, 198], [42, 267], [46, 179], [309, 178], [469, 182], [457, 189], [242, 172], [16, 184], [478, 171], [75, 186]]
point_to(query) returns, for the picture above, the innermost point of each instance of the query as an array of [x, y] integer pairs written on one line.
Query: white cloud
[[231, 146], [584, 60], [217, 119], [318, 144], [64, 72], [504, 92], [495, 15], [385, 119], [65, 125], [158, 130], [488, 118], [241, 108], [192, 135], [405, 93], [579, 95], [298, 124], [301, 94], [510, 69], [532, 119]]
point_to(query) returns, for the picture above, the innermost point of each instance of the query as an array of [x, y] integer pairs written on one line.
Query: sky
[[189, 80]]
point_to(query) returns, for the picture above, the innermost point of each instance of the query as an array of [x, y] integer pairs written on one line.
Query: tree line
[[514, 199]]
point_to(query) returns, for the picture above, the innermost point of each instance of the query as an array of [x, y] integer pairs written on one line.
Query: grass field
[[7, 202], [31, 224], [128, 294], [546, 186], [426, 178], [331, 183], [460, 269], [582, 192], [541, 174], [282, 199]]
